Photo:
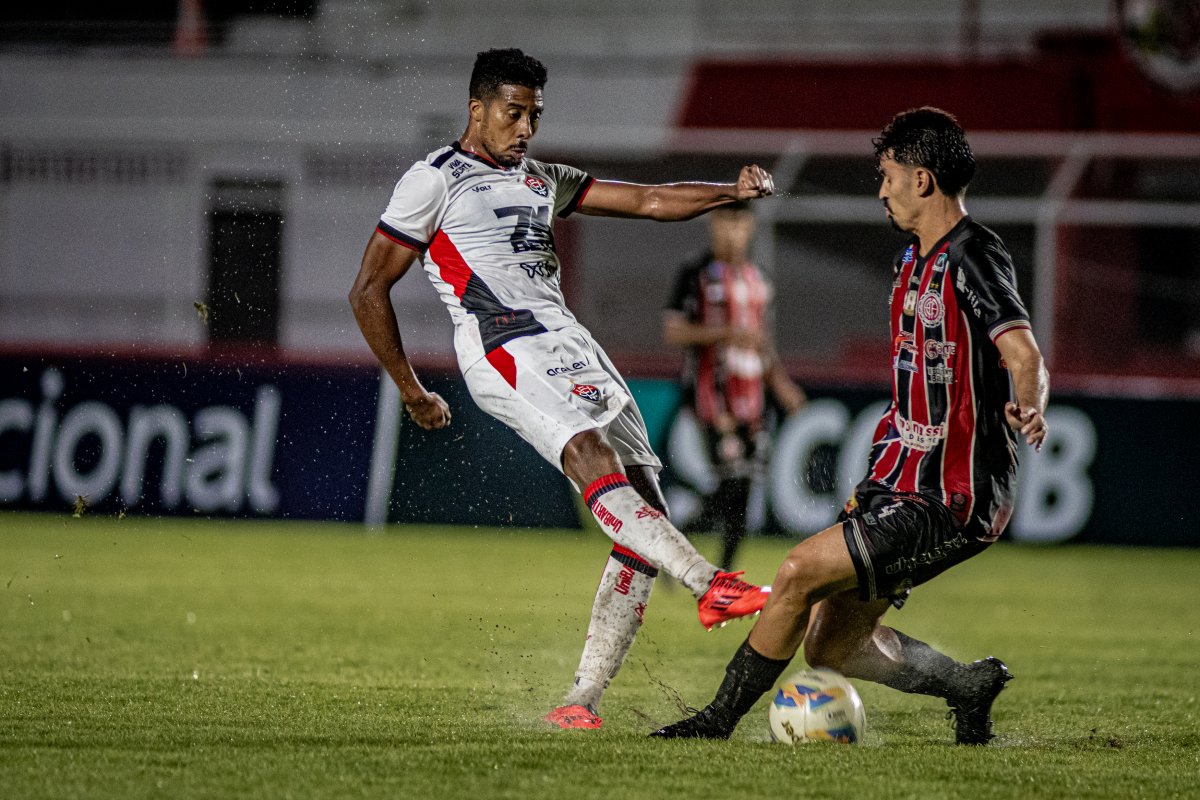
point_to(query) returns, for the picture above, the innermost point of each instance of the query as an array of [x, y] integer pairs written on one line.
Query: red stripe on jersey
[[918, 386], [504, 363], [959, 461], [577, 201], [400, 238], [451, 265], [887, 460], [1015, 325], [746, 296]]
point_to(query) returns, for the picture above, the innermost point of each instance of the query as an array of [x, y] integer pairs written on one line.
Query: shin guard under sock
[[747, 677], [634, 524], [923, 670], [617, 613]]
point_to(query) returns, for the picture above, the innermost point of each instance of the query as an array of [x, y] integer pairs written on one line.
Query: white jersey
[[484, 234]]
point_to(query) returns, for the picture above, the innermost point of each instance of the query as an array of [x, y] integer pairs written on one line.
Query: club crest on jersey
[[538, 186], [586, 391], [930, 309]]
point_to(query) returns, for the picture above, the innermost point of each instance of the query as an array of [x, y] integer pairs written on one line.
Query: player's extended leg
[[617, 614], [732, 502], [846, 634], [814, 569], [634, 524]]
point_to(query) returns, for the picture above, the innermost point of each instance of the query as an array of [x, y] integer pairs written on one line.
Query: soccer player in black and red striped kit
[[942, 469]]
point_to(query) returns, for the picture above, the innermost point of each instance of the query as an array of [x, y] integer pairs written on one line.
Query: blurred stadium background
[[185, 195]]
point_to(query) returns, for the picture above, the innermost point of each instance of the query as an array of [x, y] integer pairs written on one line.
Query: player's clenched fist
[[754, 182], [429, 411]]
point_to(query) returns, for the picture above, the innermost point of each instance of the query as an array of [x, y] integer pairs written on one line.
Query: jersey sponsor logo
[[936, 349], [930, 309], [563, 370], [458, 167], [910, 303], [918, 436], [910, 253], [900, 363], [484, 187], [939, 374], [606, 517], [904, 342], [972, 297], [537, 185], [545, 269], [532, 232], [586, 391], [940, 264]]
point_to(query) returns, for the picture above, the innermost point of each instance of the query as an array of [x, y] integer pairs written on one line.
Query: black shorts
[[898, 541]]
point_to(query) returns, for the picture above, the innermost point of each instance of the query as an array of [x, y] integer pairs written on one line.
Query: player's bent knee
[[793, 582], [588, 456]]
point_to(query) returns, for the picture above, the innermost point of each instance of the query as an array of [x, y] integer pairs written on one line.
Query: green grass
[[183, 659]]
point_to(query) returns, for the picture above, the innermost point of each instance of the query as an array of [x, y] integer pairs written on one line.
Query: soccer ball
[[817, 705]]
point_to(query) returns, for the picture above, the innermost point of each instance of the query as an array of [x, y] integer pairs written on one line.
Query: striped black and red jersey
[[724, 380], [945, 435]]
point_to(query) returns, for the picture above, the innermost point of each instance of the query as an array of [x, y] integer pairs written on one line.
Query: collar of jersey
[[477, 157]]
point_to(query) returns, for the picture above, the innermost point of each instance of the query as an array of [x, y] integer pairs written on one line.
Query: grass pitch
[[166, 658]]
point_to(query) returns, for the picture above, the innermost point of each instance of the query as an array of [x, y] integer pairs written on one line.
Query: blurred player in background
[[478, 215], [942, 469], [720, 310]]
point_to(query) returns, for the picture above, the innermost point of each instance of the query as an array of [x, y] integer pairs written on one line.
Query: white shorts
[[552, 386]]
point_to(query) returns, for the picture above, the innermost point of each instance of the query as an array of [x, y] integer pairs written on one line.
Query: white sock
[[635, 525], [617, 615]]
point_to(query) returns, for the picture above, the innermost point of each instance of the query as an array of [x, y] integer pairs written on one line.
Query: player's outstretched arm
[[383, 264], [1031, 385], [671, 202]]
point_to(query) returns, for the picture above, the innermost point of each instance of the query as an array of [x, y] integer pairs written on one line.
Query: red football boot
[[573, 717], [728, 598]]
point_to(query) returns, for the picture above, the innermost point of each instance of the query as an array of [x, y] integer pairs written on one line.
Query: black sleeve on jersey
[[685, 295], [987, 284], [577, 198]]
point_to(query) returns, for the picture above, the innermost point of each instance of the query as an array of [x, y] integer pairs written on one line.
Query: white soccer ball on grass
[[817, 705]]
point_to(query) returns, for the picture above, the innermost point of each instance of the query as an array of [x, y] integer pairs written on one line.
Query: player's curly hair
[[931, 138], [494, 68]]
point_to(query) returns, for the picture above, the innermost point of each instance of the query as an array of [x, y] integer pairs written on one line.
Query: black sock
[[747, 677], [923, 670]]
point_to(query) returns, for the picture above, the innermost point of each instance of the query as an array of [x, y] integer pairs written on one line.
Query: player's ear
[[926, 183], [475, 109]]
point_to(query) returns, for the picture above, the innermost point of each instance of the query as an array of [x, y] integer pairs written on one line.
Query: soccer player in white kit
[[478, 215]]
